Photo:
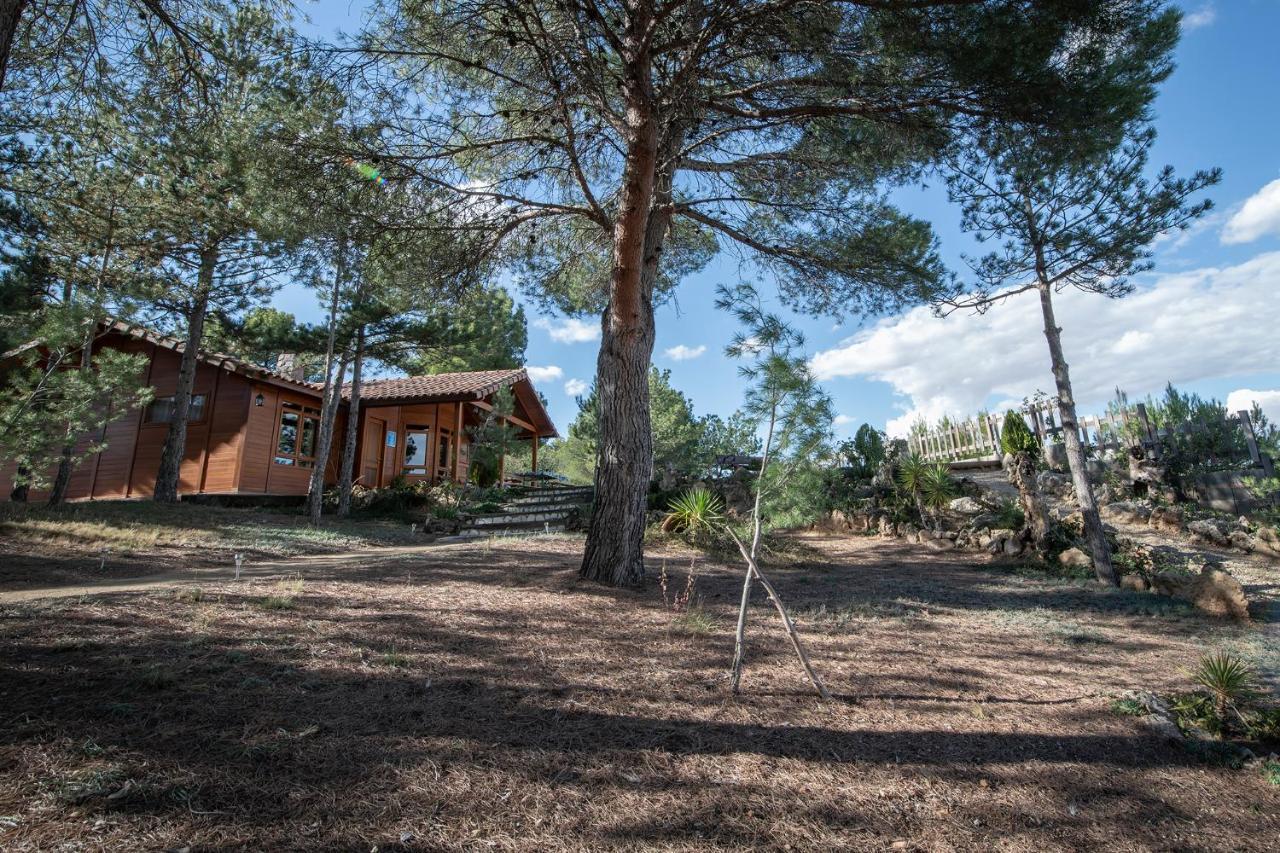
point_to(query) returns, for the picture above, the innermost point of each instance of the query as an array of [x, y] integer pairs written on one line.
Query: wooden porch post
[[535, 451], [502, 456], [433, 456], [457, 439]]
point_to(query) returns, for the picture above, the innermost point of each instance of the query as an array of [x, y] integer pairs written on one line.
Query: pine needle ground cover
[[483, 698]]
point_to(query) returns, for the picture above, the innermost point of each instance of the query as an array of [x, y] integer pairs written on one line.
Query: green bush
[[1017, 437], [696, 509]]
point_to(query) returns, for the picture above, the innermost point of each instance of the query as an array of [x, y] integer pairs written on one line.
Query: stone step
[[469, 533], [503, 518]]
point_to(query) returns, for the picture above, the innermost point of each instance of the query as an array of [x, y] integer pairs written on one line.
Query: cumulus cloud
[[1258, 216], [1202, 17], [569, 330], [1242, 400], [1188, 326], [544, 374], [680, 352], [575, 387]]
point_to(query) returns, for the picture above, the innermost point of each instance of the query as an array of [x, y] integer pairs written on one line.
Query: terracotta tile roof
[[439, 386]]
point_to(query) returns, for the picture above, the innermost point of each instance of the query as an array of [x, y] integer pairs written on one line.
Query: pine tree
[[1072, 211], [607, 149]]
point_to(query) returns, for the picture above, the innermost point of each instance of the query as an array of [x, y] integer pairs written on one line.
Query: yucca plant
[[696, 509], [937, 489], [1228, 680], [910, 477]]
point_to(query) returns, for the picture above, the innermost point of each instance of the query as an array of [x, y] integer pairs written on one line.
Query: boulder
[[1207, 532], [1126, 512], [1076, 559], [1267, 541], [1213, 591], [1013, 546], [1166, 518], [1054, 484], [966, 506], [940, 544], [1135, 582], [1241, 540], [1217, 592]]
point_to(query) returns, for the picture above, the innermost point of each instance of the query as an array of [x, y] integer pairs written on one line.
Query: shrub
[[696, 509], [1017, 437], [1228, 679], [937, 488]]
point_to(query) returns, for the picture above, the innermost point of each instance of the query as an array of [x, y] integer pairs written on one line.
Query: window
[[299, 427], [160, 410], [416, 441]]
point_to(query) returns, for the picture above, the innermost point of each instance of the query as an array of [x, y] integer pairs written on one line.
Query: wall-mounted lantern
[[259, 400]]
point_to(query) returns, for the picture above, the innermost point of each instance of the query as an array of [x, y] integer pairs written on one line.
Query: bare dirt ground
[[479, 698]]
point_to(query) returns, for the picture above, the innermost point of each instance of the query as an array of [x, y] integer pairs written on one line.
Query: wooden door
[[375, 443]]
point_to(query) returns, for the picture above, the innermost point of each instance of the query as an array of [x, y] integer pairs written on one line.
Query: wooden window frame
[[296, 459], [423, 470]]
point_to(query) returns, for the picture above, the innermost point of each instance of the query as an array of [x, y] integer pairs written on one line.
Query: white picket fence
[[977, 439]]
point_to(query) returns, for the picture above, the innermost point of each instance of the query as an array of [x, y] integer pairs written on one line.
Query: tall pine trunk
[[1093, 532], [346, 470], [331, 400], [62, 480], [614, 552], [10, 17], [175, 442], [324, 441]]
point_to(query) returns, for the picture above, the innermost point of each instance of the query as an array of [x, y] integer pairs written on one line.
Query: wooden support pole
[[457, 440], [534, 452]]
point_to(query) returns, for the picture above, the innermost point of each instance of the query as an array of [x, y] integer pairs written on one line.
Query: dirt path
[[306, 566]]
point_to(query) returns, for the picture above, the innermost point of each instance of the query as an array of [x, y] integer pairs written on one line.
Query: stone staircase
[[543, 510]]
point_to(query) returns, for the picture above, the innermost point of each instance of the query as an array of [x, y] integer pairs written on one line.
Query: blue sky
[[1205, 318]]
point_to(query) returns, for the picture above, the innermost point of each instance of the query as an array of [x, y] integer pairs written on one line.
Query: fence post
[[1251, 438]]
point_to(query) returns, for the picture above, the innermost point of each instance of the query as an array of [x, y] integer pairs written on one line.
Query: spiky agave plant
[[910, 477], [696, 509], [937, 488], [1228, 680]]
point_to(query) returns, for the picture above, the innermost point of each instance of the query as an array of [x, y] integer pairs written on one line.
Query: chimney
[[288, 364]]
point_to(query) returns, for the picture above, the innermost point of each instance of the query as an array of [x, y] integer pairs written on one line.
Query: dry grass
[[128, 538], [488, 700]]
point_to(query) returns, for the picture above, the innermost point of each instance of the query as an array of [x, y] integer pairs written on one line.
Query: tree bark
[[614, 552], [1021, 469], [175, 442], [331, 399], [346, 473], [1093, 532], [10, 17], [58, 493]]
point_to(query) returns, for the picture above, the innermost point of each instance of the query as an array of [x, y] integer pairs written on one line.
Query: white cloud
[[680, 352], [569, 330], [1242, 400], [1188, 326], [842, 420], [1259, 215], [1202, 17], [544, 374], [575, 387]]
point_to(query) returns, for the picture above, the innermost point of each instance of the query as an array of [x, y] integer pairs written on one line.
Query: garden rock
[[1208, 532], [1054, 484], [966, 506], [1126, 512], [1166, 518], [1241, 540], [1213, 591], [1075, 558], [1135, 582], [1267, 541], [940, 544]]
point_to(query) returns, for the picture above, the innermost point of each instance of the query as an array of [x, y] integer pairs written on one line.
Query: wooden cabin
[[253, 431]]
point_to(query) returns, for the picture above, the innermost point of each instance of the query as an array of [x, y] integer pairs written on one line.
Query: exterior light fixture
[[259, 400]]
